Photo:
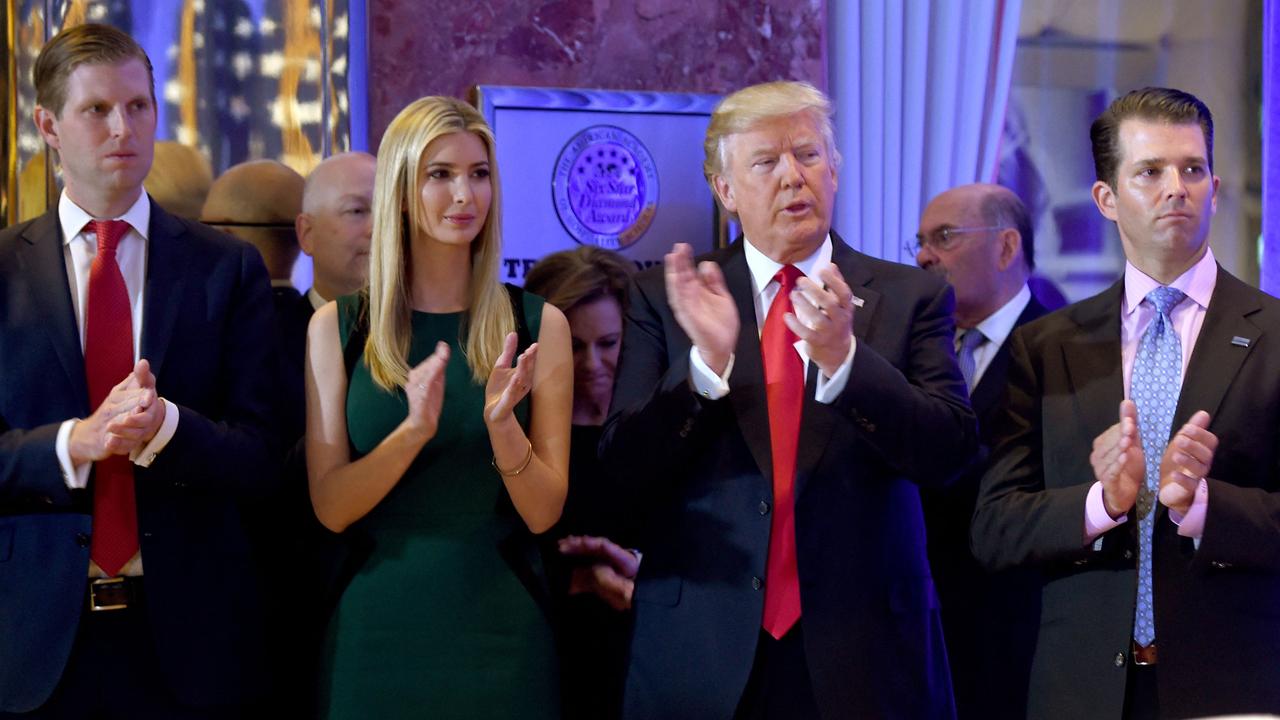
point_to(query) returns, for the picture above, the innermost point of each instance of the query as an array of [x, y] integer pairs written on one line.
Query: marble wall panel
[[427, 47]]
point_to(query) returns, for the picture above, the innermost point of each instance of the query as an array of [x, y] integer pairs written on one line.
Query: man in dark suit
[[979, 237], [768, 407], [135, 348], [1136, 466]]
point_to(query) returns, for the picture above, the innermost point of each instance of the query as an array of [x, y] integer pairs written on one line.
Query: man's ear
[[302, 228], [1105, 198], [1010, 243], [724, 191], [47, 124]]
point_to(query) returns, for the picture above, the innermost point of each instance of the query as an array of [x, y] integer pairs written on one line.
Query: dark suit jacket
[[872, 634], [1217, 608], [293, 313], [989, 620], [206, 331]]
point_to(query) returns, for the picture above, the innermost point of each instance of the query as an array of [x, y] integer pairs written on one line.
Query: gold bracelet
[[528, 457]]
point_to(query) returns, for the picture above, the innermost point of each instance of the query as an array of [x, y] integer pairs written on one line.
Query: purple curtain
[[1269, 278]]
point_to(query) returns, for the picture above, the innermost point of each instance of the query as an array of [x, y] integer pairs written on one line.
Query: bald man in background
[[335, 224], [257, 201], [979, 237]]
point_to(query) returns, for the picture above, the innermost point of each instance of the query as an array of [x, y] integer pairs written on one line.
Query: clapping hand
[[424, 390], [823, 318], [127, 419], [1186, 460], [1118, 461], [133, 428], [509, 385], [702, 306]]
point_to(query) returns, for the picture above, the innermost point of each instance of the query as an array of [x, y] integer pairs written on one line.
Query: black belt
[[1144, 655], [116, 593]]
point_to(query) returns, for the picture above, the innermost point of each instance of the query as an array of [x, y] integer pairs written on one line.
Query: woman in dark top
[[443, 444], [589, 285]]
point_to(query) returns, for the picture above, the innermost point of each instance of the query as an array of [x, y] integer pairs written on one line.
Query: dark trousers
[[1141, 701], [779, 687], [114, 674]]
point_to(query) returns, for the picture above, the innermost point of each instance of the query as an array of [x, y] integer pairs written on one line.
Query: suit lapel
[[165, 280], [1095, 373], [45, 272], [818, 421], [746, 382], [1216, 356]]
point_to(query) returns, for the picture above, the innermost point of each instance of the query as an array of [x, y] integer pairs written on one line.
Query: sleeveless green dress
[[442, 621]]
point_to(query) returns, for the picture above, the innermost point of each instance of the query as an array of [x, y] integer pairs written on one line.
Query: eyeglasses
[[944, 239]]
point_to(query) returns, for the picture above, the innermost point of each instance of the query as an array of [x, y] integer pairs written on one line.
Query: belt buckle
[[107, 584], [1144, 655]]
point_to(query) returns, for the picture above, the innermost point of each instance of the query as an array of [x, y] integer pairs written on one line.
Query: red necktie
[[784, 389], [108, 359]]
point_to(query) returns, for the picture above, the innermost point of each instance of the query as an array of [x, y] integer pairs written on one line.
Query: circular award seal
[[605, 187]]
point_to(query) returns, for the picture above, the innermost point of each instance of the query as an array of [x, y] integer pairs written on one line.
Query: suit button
[[1081, 561], [1219, 565], [1119, 659], [1128, 554], [763, 507], [756, 583], [82, 539]]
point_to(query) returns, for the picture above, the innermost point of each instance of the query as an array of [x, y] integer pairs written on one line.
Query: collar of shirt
[[73, 218], [1197, 282], [763, 268], [997, 326], [317, 302]]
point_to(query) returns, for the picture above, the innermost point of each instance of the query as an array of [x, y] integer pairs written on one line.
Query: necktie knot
[[971, 339], [787, 276], [1165, 298], [109, 233]]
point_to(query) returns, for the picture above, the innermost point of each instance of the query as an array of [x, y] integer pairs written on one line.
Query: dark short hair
[[1005, 209], [89, 44], [575, 277], [1154, 104]]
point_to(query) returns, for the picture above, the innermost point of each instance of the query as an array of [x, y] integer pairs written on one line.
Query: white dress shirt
[[996, 328], [79, 247], [764, 289]]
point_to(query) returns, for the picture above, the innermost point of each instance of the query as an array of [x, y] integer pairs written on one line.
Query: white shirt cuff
[[145, 456], [829, 388], [76, 478], [705, 381]]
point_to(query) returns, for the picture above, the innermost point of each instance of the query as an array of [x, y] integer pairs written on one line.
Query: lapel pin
[[858, 302], [1240, 341]]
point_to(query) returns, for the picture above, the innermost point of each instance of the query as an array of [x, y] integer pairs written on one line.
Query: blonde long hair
[[397, 213]]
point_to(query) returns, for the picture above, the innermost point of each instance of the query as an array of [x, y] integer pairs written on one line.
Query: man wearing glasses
[[979, 238]]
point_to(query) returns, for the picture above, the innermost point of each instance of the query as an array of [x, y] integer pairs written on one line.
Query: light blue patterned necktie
[[1154, 387], [970, 340]]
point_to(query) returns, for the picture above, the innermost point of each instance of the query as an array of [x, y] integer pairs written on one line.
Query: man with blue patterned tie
[[1155, 527]]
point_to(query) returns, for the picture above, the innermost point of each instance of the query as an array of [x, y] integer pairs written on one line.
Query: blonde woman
[[444, 443]]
